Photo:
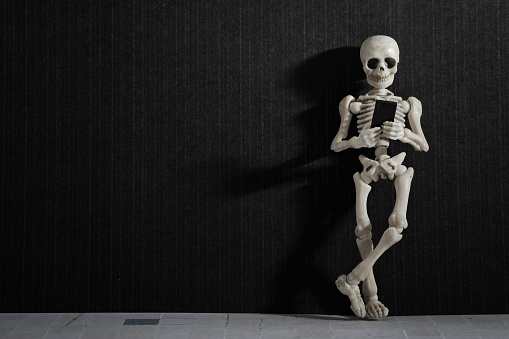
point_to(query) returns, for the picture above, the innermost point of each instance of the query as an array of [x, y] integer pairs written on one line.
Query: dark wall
[[174, 156]]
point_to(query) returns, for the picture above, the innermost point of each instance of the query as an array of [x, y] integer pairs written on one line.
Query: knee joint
[[398, 221], [363, 231]]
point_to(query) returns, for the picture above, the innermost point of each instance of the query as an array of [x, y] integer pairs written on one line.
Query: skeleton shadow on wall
[[323, 80], [328, 191]]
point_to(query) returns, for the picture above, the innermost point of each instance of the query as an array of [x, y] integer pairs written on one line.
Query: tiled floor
[[246, 326]]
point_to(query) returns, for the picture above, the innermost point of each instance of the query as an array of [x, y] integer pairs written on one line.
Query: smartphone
[[384, 111]]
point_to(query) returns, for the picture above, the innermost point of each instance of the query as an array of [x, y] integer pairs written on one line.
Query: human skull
[[380, 58]]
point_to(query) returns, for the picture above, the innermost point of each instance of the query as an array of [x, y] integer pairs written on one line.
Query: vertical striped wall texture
[[174, 156]]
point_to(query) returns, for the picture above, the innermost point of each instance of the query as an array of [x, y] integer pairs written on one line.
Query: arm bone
[[338, 143], [415, 136]]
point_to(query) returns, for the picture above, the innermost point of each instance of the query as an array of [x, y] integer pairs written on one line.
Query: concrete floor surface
[[246, 326]]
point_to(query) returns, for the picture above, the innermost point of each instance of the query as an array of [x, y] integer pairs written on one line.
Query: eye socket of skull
[[390, 62], [372, 63]]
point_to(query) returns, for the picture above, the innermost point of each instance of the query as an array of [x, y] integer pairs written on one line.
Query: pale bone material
[[380, 57]]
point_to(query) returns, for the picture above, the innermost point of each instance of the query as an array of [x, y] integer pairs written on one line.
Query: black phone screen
[[384, 111]]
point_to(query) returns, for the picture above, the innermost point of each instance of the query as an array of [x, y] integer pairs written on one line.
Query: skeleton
[[380, 57]]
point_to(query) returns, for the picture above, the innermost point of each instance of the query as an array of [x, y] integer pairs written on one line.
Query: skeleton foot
[[353, 292], [375, 309]]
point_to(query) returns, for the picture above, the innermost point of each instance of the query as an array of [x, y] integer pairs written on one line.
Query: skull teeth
[[380, 78]]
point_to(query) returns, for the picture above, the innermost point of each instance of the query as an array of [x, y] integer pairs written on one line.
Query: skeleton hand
[[393, 130], [368, 137]]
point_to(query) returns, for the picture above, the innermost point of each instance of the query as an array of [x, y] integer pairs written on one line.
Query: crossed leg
[[374, 307], [348, 285]]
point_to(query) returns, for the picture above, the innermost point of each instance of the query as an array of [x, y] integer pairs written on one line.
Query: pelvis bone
[[384, 167]]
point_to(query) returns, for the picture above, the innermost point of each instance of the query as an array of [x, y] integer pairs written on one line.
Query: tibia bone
[[369, 287], [361, 271]]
